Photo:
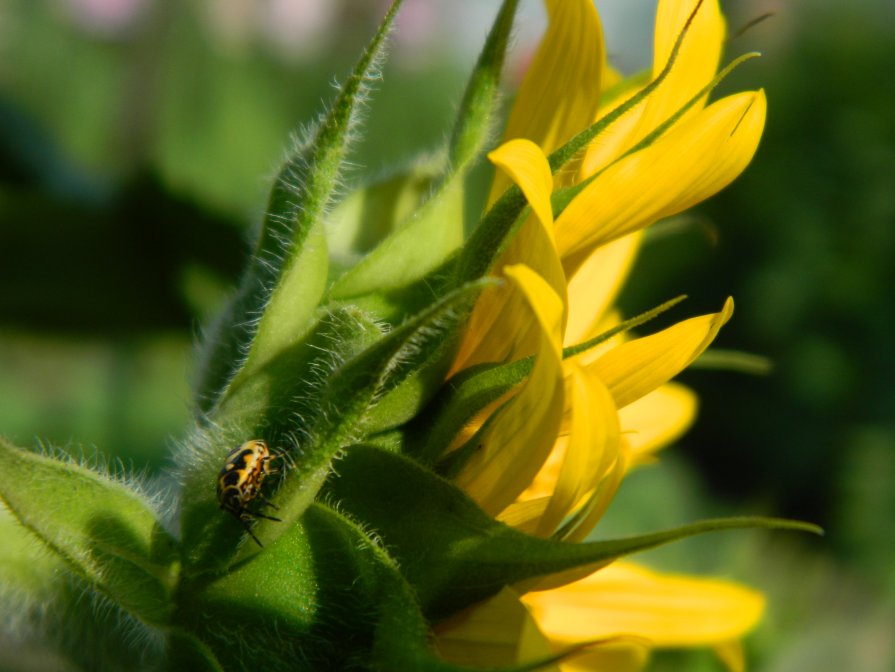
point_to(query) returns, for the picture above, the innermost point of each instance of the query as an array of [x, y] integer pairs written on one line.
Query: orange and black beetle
[[239, 482]]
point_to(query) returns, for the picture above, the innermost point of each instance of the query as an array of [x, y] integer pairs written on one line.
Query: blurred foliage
[[133, 166], [122, 156]]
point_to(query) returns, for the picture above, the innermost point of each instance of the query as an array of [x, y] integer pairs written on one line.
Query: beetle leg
[[248, 528], [261, 515], [266, 501]]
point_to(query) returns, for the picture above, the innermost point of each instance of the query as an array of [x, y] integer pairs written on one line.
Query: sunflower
[[552, 455]]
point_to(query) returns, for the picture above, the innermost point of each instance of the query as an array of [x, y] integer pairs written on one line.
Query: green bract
[[334, 350]]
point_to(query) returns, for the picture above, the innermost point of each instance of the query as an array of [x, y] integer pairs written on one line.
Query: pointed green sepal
[[26, 570], [183, 651], [288, 270], [370, 213], [402, 635], [460, 398], [480, 104], [627, 325], [417, 378], [491, 236], [308, 403], [453, 553], [418, 247], [104, 531], [734, 360], [561, 156], [400, 260]]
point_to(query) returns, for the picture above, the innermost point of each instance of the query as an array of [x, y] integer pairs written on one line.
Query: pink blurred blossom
[[107, 17], [296, 26]]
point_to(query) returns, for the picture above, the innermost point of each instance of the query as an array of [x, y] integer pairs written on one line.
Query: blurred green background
[[137, 140]]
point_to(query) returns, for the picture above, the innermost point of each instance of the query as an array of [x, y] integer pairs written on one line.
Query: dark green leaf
[[309, 602]]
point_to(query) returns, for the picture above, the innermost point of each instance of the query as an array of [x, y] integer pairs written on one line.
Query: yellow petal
[[520, 438], [668, 610], [592, 446], [695, 66], [732, 655], [621, 656], [696, 63], [500, 327], [635, 368], [657, 419], [542, 486], [561, 90], [533, 245], [698, 58], [724, 138], [609, 79], [692, 161], [525, 164], [610, 320], [599, 500], [498, 631], [618, 136], [584, 455], [596, 284], [524, 514], [501, 631]]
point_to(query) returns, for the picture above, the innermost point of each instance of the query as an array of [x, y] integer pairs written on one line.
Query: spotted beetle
[[239, 482]]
